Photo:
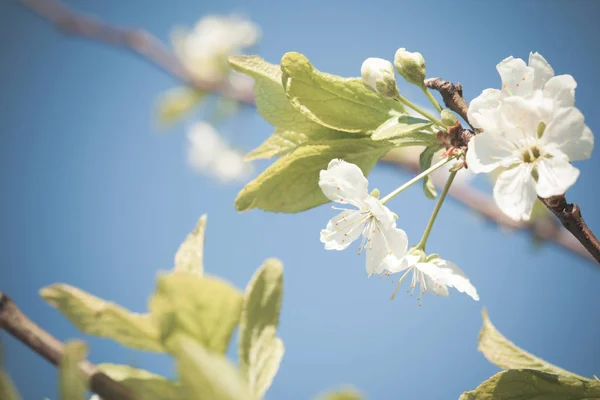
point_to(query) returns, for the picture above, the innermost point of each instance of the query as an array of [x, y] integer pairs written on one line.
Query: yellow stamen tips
[[374, 230], [523, 79], [391, 253], [504, 86], [338, 188], [518, 85]]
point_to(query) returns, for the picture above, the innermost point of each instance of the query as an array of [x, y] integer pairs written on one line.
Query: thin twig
[[13, 321], [152, 50]]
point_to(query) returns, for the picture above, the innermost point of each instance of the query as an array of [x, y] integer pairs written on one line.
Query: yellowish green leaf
[[502, 352], [425, 160], [345, 393], [290, 184], [259, 350], [399, 126], [98, 317], [284, 141], [338, 103], [207, 309], [8, 391], [72, 381], [527, 384], [177, 102], [145, 385], [206, 375], [189, 257]]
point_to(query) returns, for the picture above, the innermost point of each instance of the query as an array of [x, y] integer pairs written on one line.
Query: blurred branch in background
[[22, 328], [150, 48]]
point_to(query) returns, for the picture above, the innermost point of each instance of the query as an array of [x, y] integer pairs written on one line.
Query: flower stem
[[436, 210], [423, 174], [432, 99], [418, 109]]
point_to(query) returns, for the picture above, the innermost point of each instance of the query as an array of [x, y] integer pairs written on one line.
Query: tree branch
[[25, 330], [152, 50]]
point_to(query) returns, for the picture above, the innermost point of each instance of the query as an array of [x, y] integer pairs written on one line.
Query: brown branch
[[570, 216], [152, 50], [13, 321]]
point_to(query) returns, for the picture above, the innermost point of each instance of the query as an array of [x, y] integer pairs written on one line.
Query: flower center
[[531, 154]]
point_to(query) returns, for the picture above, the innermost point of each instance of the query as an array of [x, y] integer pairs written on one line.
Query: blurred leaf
[[425, 160], [259, 350], [291, 184], [348, 393], [503, 353], [399, 126], [338, 103], [224, 108], [206, 375], [292, 128], [145, 385], [72, 381], [175, 103], [207, 309], [526, 384], [189, 257], [8, 391], [97, 317]]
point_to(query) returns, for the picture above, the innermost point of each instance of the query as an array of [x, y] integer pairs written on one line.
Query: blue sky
[[96, 196]]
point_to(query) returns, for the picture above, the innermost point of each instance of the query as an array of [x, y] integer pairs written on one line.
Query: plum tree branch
[[152, 50], [13, 321]]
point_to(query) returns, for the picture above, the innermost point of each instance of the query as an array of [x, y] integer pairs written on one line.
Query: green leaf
[[145, 385], [503, 353], [206, 375], [72, 381], [207, 309], [425, 160], [8, 391], [526, 384], [190, 253], [259, 350], [177, 102], [338, 103], [292, 128], [291, 184], [348, 393], [98, 317], [399, 126]]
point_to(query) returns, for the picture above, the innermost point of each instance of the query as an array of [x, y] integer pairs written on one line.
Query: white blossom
[[378, 76], [204, 49], [432, 274], [210, 154], [531, 131], [344, 183]]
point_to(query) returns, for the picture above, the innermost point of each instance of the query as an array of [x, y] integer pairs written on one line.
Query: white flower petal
[[482, 106], [569, 134], [521, 116], [555, 176], [380, 211], [561, 89], [342, 230], [386, 249], [488, 151], [514, 192], [543, 70], [453, 276], [517, 77], [344, 183]]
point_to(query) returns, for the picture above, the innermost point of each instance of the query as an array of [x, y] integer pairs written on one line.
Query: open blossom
[[531, 131], [204, 49], [344, 183], [432, 274], [210, 154]]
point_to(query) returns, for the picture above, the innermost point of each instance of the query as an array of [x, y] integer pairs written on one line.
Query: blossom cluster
[[530, 133]]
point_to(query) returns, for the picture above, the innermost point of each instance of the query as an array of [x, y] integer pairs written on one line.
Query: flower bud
[[411, 66], [378, 76], [448, 119]]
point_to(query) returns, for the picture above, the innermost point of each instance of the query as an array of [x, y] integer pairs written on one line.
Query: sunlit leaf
[[338, 103], [98, 317], [207, 309], [189, 257], [527, 384], [399, 126], [259, 350], [348, 393], [145, 385], [72, 380], [206, 375], [503, 353], [425, 160], [176, 103]]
